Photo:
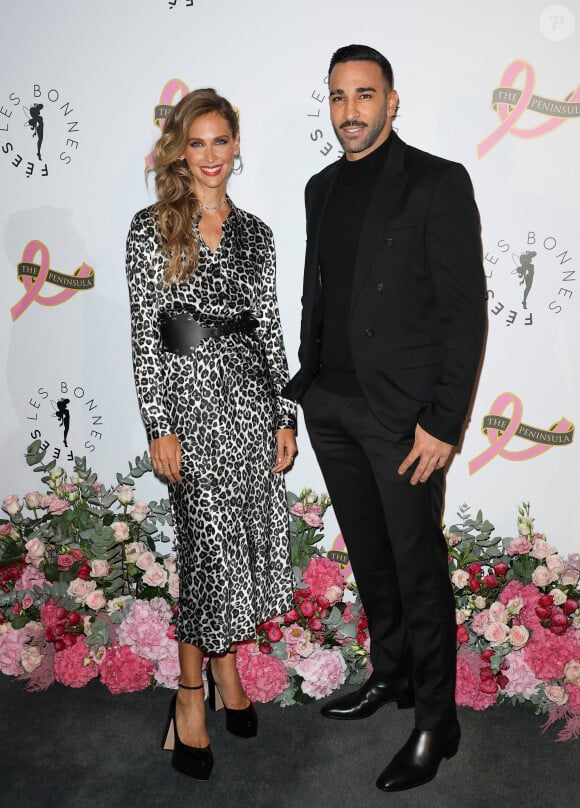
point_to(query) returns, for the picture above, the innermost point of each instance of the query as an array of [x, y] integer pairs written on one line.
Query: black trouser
[[396, 547]]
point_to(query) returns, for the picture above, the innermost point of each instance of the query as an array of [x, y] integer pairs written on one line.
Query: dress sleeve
[[270, 329], [147, 368]]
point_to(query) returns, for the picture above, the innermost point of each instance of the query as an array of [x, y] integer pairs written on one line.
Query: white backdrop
[[99, 70]]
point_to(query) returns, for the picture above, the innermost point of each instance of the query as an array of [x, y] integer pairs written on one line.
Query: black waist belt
[[181, 334]]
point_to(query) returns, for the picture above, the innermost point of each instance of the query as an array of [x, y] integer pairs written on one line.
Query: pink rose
[[11, 505], [572, 672], [498, 613], [170, 563], [33, 499], [542, 576], [57, 506], [6, 529], [155, 575], [134, 550], [480, 622], [35, 552], [541, 549], [80, 590], [569, 577], [496, 633], [99, 568], [139, 512], [27, 601], [120, 531], [459, 617], [173, 585], [145, 560], [333, 594], [462, 634], [555, 564], [557, 694], [125, 494], [518, 636], [65, 561], [460, 579], [519, 546], [30, 658], [96, 600]]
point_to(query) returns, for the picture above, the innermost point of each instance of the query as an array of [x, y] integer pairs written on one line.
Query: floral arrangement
[[84, 593], [518, 620]]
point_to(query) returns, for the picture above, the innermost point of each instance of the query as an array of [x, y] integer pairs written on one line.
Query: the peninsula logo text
[[500, 429], [511, 102], [39, 129], [34, 271]]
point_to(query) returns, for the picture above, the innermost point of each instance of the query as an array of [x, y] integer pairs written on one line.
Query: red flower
[[363, 622], [323, 602], [315, 624], [502, 680], [265, 648], [274, 633], [570, 605], [65, 561], [546, 600], [462, 634], [291, 616], [489, 686], [84, 573], [74, 618], [486, 673], [486, 655], [77, 554], [307, 608], [474, 584], [500, 568], [491, 581], [558, 618], [361, 637], [542, 612], [474, 569]]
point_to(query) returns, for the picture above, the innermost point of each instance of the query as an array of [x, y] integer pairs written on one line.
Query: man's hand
[[432, 453], [166, 457]]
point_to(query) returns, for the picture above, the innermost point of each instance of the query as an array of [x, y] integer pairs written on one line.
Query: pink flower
[[170, 564], [572, 672], [480, 623], [173, 585], [518, 636], [521, 678], [519, 546], [569, 577], [322, 574], [6, 529], [11, 504], [323, 672], [123, 671], [65, 561], [74, 666], [462, 634], [274, 633], [311, 514], [30, 658], [496, 633], [347, 615], [263, 676], [541, 549], [468, 691], [120, 530], [453, 539], [557, 694], [332, 595], [555, 564], [145, 560], [96, 600], [460, 579], [155, 575], [547, 654], [144, 629], [498, 613], [36, 550], [134, 550], [12, 642], [27, 601], [542, 576], [139, 512], [56, 506], [80, 589], [33, 499], [99, 568], [125, 494], [167, 671]]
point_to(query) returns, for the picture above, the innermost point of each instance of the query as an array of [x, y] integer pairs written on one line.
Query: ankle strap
[[188, 687], [229, 651]]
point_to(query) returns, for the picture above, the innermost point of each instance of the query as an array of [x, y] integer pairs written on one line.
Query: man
[[392, 330]]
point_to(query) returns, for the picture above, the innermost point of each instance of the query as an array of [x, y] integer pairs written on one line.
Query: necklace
[[213, 207]]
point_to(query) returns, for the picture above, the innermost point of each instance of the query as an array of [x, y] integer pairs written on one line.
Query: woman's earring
[[237, 169]]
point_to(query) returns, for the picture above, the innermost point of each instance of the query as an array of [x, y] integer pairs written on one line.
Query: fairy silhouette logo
[[66, 419], [39, 130], [513, 105], [529, 279], [34, 271]]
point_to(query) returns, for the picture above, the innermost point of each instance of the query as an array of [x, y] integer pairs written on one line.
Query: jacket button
[[389, 241], [369, 333], [380, 287]]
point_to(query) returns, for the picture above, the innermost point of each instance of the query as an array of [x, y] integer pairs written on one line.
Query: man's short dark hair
[[363, 53]]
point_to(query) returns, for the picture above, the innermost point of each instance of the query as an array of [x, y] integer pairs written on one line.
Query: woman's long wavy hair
[[178, 206]]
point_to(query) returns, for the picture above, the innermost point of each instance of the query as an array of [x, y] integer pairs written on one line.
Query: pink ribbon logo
[[34, 275], [169, 93], [511, 104], [339, 553], [500, 429]]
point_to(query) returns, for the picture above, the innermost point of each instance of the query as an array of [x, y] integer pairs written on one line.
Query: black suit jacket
[[418, 312]]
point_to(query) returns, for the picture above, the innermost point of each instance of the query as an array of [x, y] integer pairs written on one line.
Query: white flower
[[11, 505], [125, 494], [559, 596]]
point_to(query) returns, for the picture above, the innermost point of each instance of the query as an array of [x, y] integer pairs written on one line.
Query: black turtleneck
[[338, 246]]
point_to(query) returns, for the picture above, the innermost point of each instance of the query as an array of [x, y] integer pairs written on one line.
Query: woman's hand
[[287, 449], [166, 457]]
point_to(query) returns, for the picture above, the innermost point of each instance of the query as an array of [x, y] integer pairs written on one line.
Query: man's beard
[[369, 138]]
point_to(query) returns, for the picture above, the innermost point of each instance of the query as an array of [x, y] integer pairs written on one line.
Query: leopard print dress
[[223, 401]]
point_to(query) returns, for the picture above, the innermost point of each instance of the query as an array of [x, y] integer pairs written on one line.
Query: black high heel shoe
[[243, 723], [196, 762]]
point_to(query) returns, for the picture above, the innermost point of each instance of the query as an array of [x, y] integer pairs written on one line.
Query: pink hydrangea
[[521, 678], [547, 653], [167, 669], [48, 614], [145, 627], [573, 697], [12, 641], [468, 692], [529, 594], [263, 676], [323, 575], [30, 578], [122, 671], [323, 671], [74, 666]]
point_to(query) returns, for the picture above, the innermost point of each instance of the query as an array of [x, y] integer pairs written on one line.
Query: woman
[[209, 366]]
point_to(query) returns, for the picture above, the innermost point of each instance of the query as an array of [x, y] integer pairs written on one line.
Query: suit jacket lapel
[[386, 199]]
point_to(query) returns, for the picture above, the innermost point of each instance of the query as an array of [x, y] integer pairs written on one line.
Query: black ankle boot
[[369, 698]]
